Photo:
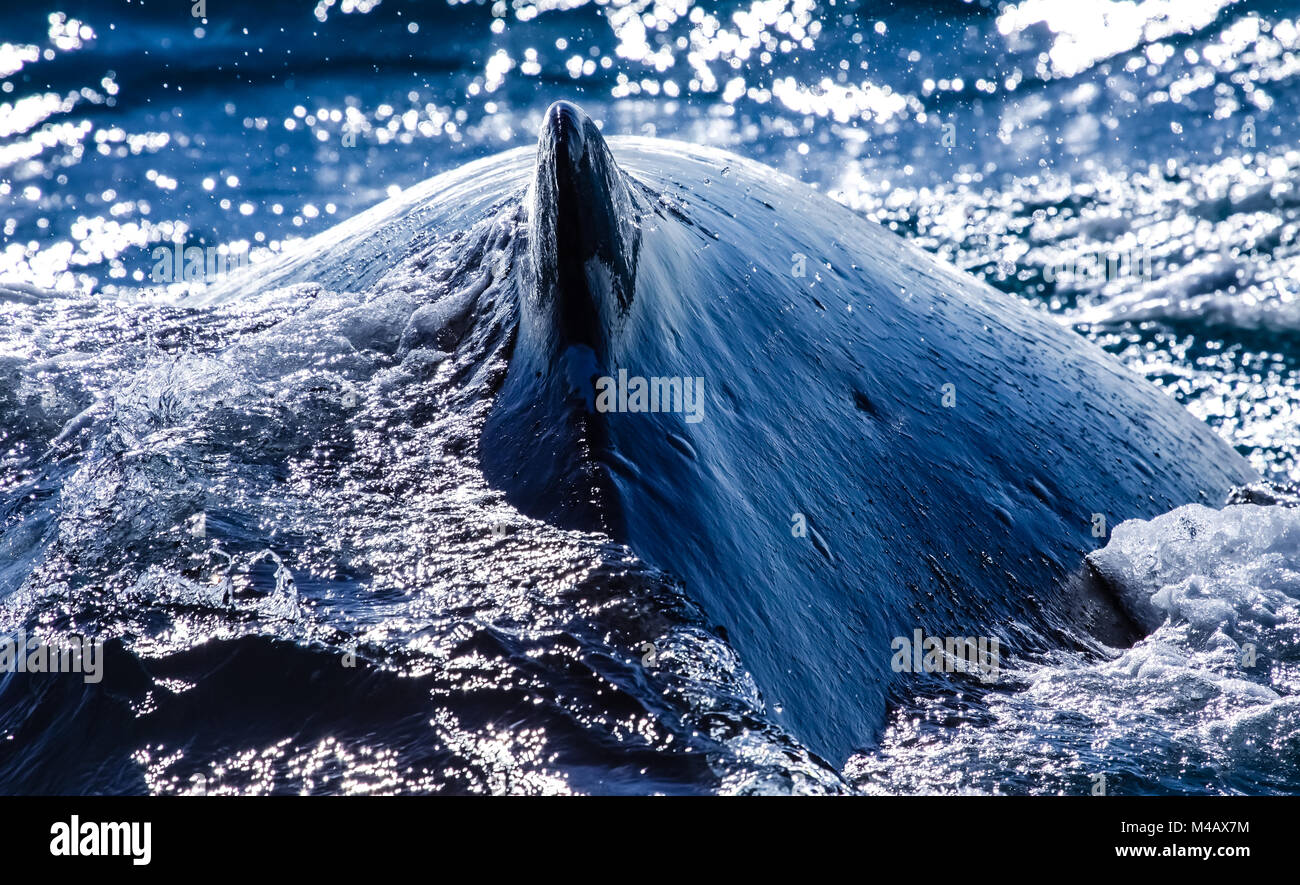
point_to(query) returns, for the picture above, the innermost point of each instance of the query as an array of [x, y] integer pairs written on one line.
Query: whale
[[831, 438]]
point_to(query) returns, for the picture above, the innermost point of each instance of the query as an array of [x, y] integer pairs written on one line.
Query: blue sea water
[[233, 531]]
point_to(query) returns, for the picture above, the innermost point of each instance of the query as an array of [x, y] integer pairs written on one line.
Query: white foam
[[1214, 570]]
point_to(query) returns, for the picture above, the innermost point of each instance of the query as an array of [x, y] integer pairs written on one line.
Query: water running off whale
[[946, 446]]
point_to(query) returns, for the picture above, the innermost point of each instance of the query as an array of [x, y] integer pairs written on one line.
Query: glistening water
[[240, 496]]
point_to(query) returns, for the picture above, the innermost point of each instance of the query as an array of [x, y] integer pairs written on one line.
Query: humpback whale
[[883, 444]]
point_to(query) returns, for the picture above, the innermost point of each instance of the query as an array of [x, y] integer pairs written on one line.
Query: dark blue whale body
[[959, 510], [948, 449]]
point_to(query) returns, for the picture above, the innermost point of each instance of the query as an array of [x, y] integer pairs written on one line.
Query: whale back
[[358, 254], [885, 444], [949, 452]]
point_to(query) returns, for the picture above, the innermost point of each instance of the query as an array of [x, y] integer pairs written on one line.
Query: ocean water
[[239, 494]]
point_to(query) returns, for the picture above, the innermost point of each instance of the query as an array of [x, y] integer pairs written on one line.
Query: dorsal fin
[[582, 236], [545, 442]]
